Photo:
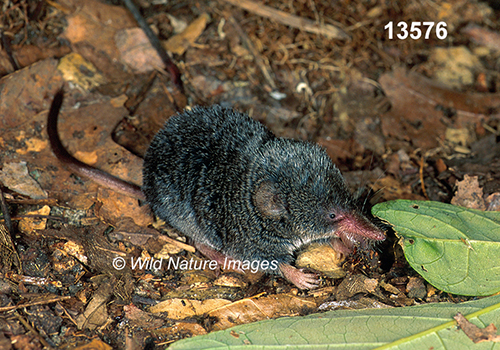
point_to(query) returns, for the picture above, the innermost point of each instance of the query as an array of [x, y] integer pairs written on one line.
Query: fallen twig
[[288, 19], [33, 303], [259, 60], [170, 66]]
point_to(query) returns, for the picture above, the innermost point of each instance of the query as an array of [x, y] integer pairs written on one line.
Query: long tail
[[79, 168]]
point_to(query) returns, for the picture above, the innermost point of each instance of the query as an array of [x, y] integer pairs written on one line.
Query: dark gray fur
[[205, 170]]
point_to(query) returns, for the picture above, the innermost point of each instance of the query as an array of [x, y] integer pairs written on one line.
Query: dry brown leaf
[[260, 308], [29, 224], [412, 118], [33, 144], [454, 67], [230, 313], [95, 344], [15, 176], [340, 150], [79, 71], [27, 54], [96, 313], [355, 284], [469, 194], [31, 85], [179, 43], [390, 288], [179, 309], [115, 207], [419, 105], [460, 136], [393, 189], [361, 303], [83, 131], [182, 329], [493, 201], [482, 36], [75, 250], [226, 280], [476, 334], [96, 23], [143, 319], [416, 288], [136, 50]]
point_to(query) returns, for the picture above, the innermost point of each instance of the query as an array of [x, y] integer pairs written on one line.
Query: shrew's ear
[[269, 201]]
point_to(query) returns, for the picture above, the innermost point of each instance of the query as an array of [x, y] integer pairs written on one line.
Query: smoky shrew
[[227, 182]]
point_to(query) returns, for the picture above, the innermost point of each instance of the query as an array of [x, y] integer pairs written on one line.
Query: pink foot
[[299, 278]]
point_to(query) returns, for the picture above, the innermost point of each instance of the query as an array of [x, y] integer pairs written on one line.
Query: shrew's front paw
[[299, 278]]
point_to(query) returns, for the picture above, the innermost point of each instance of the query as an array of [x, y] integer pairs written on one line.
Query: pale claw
[[299, 278]]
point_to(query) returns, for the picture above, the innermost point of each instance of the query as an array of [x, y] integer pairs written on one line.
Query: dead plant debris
[[402, 118]]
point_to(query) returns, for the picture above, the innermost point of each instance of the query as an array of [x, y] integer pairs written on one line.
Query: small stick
[[6, 213], [293, 21], [421, 172], [33, 331], [6, 234], [255, 53], [8, 51], [155, 42], [39, 302], [38, 281]]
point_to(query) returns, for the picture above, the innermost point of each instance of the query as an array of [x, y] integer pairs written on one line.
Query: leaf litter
[[383, 112]]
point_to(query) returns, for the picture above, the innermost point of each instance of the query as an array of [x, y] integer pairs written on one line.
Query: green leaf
[[455, 249], [429, 326]]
